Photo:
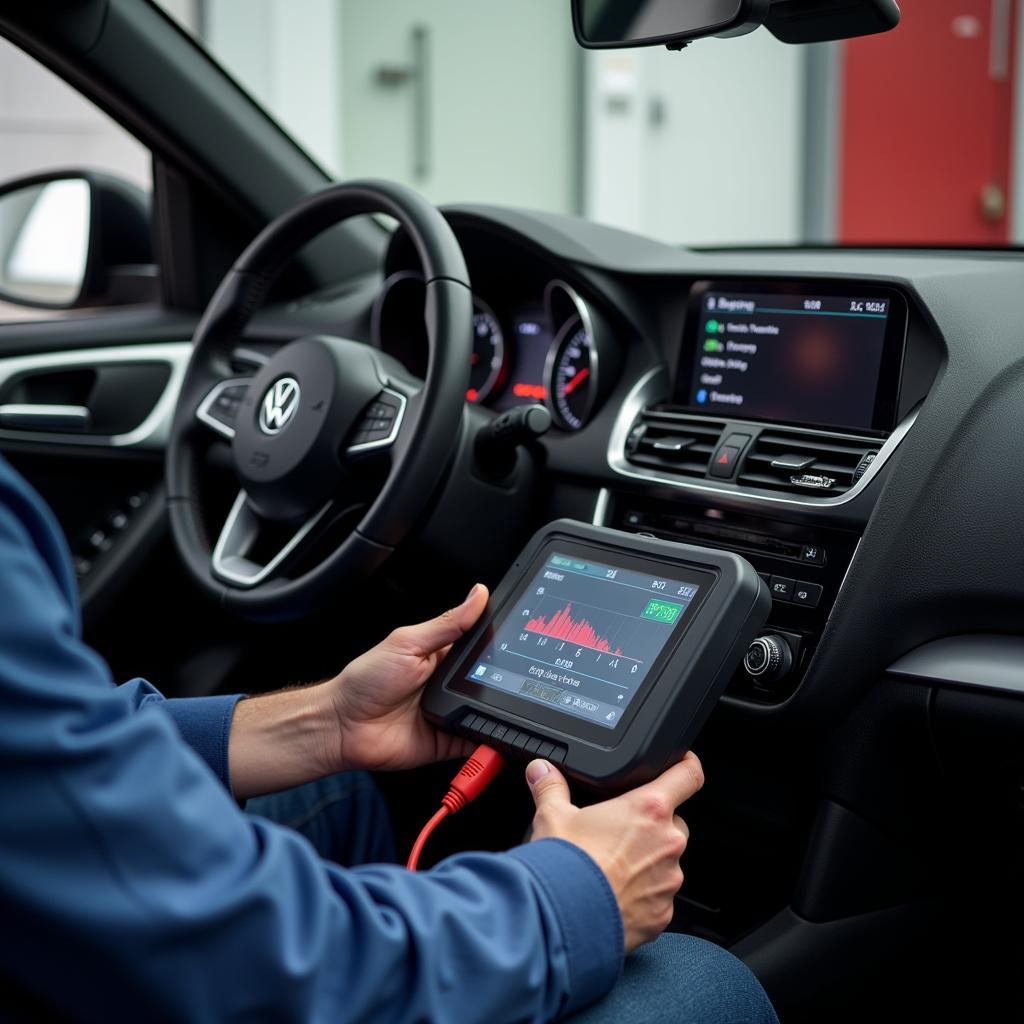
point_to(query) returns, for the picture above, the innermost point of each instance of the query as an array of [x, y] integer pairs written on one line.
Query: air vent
[[672, 441], [806, 464]]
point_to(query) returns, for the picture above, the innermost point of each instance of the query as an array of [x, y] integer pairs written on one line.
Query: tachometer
[[487, 366], [398, 328], [572, 376]]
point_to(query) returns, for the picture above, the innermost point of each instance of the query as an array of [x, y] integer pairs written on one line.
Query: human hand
[[376, 697], [636, 839]]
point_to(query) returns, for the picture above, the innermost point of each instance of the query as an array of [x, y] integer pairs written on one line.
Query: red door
[[926, 127]]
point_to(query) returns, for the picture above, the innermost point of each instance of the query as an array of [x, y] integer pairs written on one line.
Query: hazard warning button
[[723, 462]]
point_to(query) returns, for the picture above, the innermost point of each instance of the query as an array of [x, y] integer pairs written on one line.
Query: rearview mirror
[[75, 238], [602, 24], [611, 24]]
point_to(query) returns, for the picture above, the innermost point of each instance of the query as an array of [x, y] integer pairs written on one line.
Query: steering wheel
[[326, 427]]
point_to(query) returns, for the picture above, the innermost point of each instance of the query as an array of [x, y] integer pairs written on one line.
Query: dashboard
[[712, 401]]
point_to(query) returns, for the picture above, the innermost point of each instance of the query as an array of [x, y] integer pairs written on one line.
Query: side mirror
[[604, 24], [72, 239]]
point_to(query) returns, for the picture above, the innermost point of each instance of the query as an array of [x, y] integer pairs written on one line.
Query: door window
[[48, 128]]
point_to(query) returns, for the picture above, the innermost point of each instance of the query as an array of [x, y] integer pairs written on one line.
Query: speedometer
[[572, 378]]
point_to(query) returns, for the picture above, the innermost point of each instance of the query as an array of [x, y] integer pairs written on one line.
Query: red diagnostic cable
[[474, 777]]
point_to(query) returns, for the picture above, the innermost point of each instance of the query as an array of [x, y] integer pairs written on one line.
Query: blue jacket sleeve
[[204, 723], [126, 863]]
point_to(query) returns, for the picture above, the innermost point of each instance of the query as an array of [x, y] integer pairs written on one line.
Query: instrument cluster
[[549, 350]]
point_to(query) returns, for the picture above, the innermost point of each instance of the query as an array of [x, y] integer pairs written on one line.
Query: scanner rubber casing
[[674, 708]]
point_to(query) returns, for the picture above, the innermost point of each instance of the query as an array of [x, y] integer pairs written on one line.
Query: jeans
[[676, 980]]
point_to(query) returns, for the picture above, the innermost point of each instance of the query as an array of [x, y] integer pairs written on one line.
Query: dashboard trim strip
[[648, 388]]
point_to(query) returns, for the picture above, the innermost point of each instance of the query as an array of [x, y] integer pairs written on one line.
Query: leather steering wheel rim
[[428, 431]]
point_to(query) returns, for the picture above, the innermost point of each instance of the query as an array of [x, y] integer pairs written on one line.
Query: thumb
[[432, 635], [547, 784]]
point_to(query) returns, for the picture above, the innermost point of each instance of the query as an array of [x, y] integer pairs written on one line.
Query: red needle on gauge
[[577, 380]]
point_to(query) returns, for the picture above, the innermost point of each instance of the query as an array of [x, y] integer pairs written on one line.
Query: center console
[[786, 400]]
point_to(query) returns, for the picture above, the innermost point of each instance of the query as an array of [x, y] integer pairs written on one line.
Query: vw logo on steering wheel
[[279, 405]]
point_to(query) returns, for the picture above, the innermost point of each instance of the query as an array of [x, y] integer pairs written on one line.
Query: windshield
[[907, 138]]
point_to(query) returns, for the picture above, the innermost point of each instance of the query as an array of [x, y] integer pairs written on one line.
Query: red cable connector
[[473, 778]]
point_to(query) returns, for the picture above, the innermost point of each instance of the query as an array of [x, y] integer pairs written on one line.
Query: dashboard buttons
[[738, 441], [723, 463], [812, 554], [807, 594], [782, 588]]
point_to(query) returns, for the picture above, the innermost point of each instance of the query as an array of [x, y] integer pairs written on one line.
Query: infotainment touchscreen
[[789, 354]]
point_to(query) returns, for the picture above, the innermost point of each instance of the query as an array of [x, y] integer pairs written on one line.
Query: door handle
[[416, 74], [993, 202], [63, 418]]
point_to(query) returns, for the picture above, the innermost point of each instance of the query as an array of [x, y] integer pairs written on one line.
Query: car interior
[[842, 410]]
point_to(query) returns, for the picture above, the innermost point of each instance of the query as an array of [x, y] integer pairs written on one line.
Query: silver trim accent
[[383, 442], [587, 322], [240, 530], [601, 507], [772, 656], [17, 415], [203, 412], [644, 393], [976, 660], [151, 433]]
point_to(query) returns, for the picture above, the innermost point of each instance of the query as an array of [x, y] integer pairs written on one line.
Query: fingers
[[547, 784], [681, 826], [677, 784], [430, 636]]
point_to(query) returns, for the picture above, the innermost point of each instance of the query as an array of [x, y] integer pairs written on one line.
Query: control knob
[[768, 658]]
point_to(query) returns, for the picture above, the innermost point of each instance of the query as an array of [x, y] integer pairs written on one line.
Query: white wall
[[288, 56], [47, 125], [703, 146], [503, 99]]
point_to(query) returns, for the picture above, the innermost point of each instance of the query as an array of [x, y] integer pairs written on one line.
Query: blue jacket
[[133, 887]]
